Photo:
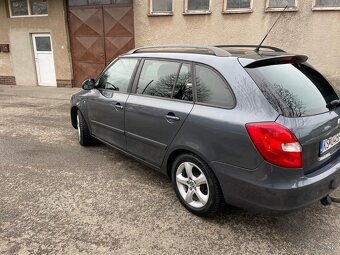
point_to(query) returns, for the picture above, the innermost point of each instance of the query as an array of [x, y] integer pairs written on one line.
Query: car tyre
[[84, 136], [196, 185]]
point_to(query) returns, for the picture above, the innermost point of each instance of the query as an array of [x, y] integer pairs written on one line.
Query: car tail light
[[276, 144]]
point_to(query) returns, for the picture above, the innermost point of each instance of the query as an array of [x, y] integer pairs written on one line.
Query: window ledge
[[237, 11], [326, 8], [289, 9], [29, 16], [197, 12], [157, 14]]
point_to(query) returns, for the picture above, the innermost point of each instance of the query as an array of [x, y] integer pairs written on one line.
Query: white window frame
[[289, 9], [240, 10], [29, 11], [189, 12], [326, 8], [160, 13]]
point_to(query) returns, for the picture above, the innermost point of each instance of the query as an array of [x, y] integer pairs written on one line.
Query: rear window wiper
[[333, 104]]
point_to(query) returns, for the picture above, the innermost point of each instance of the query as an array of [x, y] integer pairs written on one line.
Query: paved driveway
[[57, 197]]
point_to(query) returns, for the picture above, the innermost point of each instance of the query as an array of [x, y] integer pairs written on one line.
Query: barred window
[[197, 6], [281, 3], [327, 3], [237, 5], [97, 2], [20, 8], [164, 7]]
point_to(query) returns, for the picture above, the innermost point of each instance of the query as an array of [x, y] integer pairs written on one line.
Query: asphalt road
[[57, 197]]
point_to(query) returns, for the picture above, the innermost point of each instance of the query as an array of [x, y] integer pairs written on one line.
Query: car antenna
[[258, 47]]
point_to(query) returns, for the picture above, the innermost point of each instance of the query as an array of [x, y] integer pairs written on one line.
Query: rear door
[[106, 103], [301, 94], [158, 109]]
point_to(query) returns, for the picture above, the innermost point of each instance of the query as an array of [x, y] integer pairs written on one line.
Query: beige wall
[[18, 32], [314, 33], [5, 58]]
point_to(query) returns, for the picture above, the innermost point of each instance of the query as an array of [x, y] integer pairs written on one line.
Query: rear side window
[[294, 90], [158, 78], [211, 88]]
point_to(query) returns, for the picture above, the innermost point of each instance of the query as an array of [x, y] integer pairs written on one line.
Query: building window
[[327, 5], [97, 2], [237, 6], [160, 7], [20, 8], [197, 7], [279, 5]]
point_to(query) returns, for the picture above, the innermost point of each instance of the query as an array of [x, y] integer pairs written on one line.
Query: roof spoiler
[[278, 60]]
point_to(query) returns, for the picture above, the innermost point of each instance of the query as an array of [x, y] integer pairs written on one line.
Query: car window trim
[[164, 98], [174, 86], [193, 77], [131, 79]]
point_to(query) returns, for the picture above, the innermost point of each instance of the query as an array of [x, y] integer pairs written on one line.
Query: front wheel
[[84, 136], [196, 185]]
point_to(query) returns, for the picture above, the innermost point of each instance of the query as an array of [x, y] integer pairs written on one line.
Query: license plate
[[327, 144]]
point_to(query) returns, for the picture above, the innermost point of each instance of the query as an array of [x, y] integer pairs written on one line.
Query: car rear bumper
[[270, 189]]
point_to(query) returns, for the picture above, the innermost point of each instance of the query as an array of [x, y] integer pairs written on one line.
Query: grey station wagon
[[257, 130]]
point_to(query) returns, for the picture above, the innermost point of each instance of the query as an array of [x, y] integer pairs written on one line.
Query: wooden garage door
[[98, 35]]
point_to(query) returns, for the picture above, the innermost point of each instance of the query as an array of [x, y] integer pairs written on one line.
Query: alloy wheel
[[192, 184]]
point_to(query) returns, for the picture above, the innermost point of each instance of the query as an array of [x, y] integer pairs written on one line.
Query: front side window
[[197, 6], [163, 7], [118, 76], [327, 4], [158, 78], [27, 7], [279, 5], [211, 89], [237, 5]]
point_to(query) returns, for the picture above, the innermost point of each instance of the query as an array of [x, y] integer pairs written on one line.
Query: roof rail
[[250, 46], [177, 48]]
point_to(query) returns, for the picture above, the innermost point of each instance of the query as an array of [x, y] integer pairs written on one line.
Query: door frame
[[35, 52]]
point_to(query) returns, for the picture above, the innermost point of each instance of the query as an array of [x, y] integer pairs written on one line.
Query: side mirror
[[88, 84]]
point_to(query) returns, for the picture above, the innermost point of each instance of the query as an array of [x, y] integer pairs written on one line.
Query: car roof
[[246, 51], [202, 53]]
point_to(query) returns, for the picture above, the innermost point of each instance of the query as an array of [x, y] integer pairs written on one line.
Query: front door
[[44, 61], [106, 104]]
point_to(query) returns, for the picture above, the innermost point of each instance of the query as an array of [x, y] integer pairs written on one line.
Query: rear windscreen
[[294, 90]]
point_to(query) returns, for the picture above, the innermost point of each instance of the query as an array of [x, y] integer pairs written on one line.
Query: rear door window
[[158, 78], [211, 89], [183, 87], [294, 90]]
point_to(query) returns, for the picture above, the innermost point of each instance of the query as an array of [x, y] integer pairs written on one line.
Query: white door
[[44, 59]]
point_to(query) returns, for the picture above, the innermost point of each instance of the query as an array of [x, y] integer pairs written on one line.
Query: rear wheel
[[196, 185], [84, 136]]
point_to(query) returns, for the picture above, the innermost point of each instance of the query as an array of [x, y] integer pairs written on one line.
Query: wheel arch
[[182, 150], [74, 110]]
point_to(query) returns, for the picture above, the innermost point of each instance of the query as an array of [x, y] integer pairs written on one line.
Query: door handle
[[171, 117], [118, 106]]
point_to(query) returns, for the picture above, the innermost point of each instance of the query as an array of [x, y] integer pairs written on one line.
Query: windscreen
[[294, 90]]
